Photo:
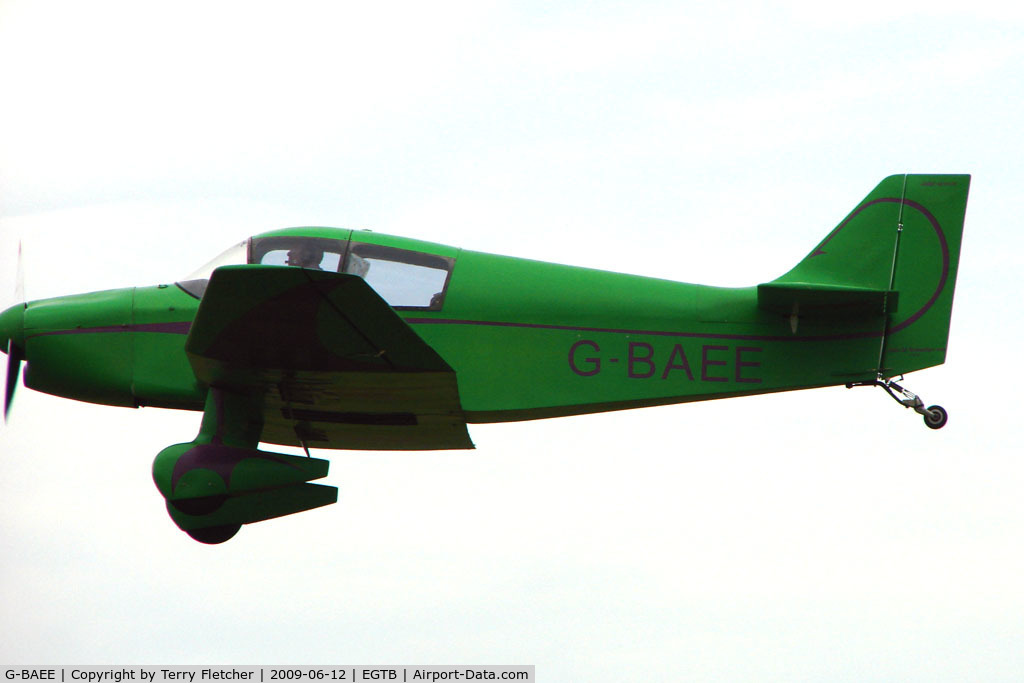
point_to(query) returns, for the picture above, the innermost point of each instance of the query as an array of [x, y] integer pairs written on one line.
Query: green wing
[[326, 360]]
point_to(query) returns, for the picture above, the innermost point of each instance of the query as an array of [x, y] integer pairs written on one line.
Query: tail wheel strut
[[935, 417]]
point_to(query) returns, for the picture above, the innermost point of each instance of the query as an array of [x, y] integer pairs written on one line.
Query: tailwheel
[[212, 535], [936, 417]]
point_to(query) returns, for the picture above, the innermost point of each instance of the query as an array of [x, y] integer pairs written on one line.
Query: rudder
[[927, 257]]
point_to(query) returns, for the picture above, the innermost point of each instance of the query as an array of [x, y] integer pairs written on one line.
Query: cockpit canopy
[[404, 278]]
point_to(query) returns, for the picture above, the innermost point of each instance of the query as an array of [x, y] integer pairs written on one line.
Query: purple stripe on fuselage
[[653, 333], [164, 328]]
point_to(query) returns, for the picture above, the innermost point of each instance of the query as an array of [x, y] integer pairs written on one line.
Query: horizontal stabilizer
[[825, 300]]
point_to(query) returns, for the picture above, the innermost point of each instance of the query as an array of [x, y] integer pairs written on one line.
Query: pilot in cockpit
[[305, 256]]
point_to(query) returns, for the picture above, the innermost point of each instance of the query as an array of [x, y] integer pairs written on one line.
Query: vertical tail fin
[[897, 251], [924, 271]]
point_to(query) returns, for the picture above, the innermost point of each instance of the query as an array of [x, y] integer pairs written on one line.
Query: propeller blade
[[14, 357], [19, 280], [12, 330]]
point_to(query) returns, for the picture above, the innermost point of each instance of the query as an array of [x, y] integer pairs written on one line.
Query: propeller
[[19, 281], [12, 331], [15, 354]]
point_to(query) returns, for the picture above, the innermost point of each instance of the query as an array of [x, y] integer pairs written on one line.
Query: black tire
[[212, 535], [199, 506], [936, 417]]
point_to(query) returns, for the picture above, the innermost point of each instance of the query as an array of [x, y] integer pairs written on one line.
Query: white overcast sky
[[822, 535]]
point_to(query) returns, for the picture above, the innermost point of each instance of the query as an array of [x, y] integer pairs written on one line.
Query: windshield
[[402, 277], [195, 284]]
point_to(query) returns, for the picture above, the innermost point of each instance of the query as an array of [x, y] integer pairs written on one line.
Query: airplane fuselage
[[527, 340]]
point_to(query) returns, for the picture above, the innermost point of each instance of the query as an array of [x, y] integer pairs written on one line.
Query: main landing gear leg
[[934, 416]]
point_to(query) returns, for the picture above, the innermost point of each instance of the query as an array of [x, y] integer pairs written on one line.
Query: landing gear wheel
[[199, 506], [213, 535], [936, 417]]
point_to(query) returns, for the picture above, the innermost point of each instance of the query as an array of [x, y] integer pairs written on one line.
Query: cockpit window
[[403, 278], [305, 252]]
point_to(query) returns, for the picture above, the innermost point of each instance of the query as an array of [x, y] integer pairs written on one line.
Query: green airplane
[[329, 338]]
